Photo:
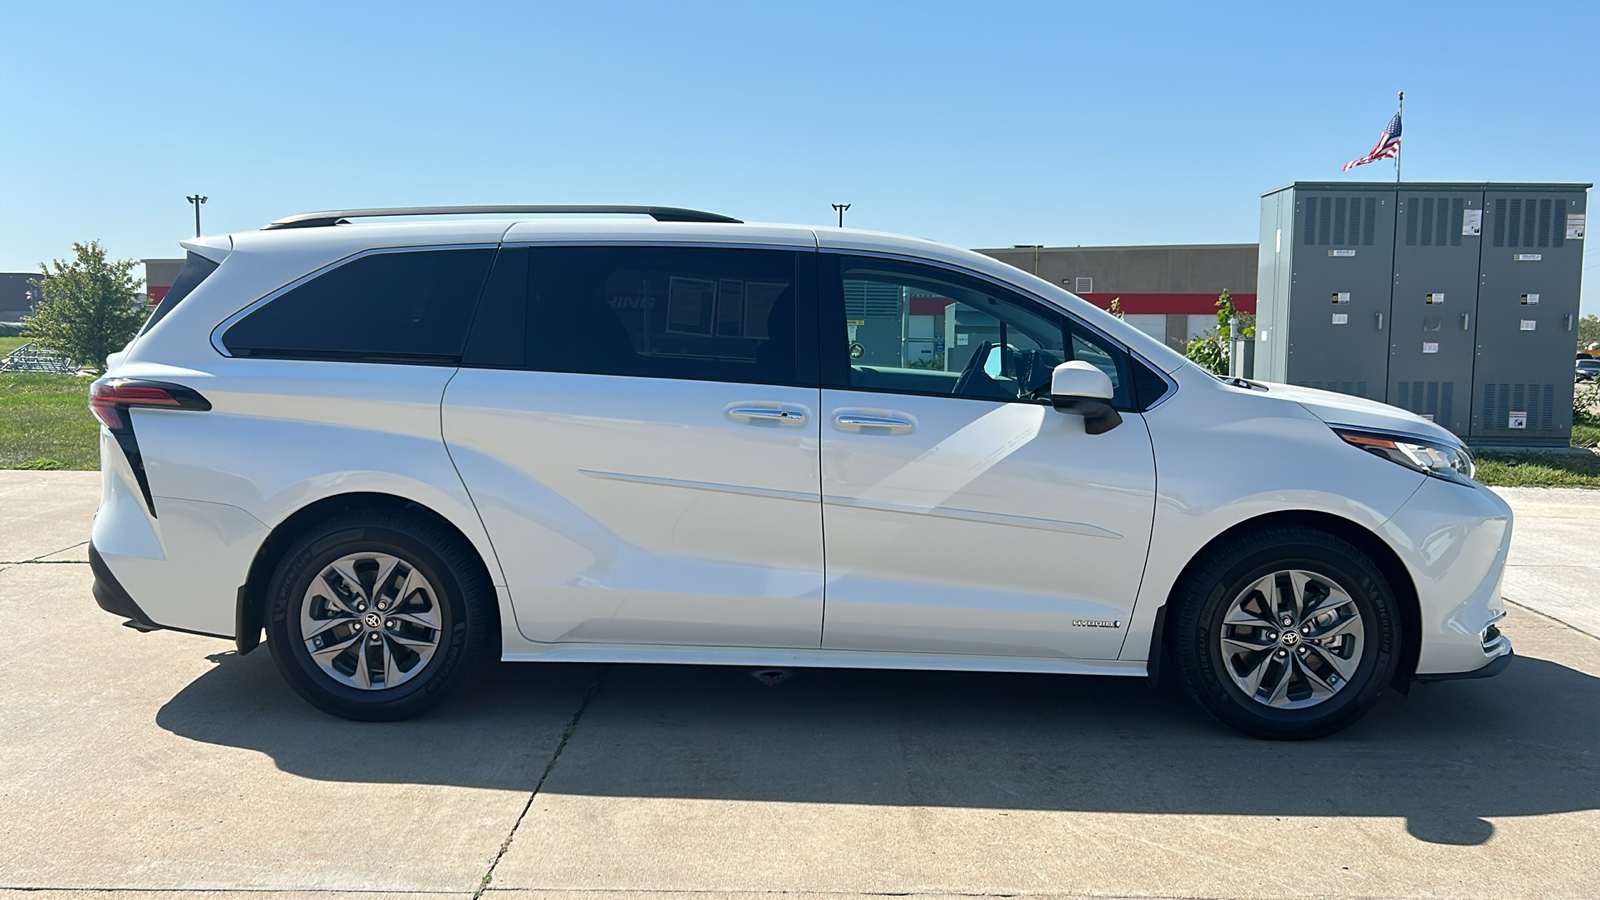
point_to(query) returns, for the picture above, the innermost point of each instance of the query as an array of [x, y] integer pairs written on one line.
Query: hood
[[1343, 409]]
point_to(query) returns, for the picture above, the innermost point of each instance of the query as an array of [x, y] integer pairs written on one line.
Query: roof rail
[[337, 216]]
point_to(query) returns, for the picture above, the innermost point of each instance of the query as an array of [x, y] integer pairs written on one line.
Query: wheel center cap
[[372, 620], [1290, 638]]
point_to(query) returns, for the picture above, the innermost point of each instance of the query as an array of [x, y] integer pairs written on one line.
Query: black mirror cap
[[1099, 416]]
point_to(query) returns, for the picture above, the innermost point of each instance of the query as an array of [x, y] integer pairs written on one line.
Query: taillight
[[110, 398]]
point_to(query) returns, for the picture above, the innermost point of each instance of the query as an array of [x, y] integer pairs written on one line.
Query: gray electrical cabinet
[[1527, 313], [1454, 301], [1433, 312]]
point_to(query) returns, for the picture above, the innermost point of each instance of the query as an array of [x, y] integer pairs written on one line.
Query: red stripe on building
[[157, 292], [1171, 304]]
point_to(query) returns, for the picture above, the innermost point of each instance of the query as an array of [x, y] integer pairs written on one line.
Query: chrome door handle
[[894, 424], [775, 414]]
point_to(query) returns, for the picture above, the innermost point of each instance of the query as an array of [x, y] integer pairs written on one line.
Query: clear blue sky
[[978, 124]]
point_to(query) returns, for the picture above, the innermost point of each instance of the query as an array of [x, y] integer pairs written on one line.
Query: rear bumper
[[112, 596], [115, 599]]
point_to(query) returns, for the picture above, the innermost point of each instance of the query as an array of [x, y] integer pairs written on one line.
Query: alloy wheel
[[370, 621], [1292, 639]]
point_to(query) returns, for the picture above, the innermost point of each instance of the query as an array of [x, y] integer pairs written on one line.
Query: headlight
[[1452, 462]]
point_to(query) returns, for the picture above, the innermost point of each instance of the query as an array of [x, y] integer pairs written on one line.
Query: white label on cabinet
[[1341, 253], [1472, 222], [1341, 318], [1530, 324], [1430, 346], [1530, 299], [1575, 226], [1527, 257], [1341, 297], [1517, 419], [1436, 298]]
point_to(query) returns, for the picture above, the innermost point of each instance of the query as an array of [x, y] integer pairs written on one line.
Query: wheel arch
[[251, 600], [1376, 549]]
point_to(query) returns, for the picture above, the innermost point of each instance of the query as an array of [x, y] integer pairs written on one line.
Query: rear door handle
[[891, 422], [767, 415]]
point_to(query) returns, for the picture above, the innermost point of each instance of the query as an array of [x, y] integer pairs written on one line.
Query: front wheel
[[375, 615], [1287, 634]]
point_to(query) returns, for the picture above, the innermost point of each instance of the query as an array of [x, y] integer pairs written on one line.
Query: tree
[[1588, 331], [1212, 348], [90, 307]]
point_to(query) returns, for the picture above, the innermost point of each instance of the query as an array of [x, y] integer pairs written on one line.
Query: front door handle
[[893, 423], [763, 415]]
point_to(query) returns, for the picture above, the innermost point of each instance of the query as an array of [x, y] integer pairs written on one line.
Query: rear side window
[[695, 313], [196, 268], [410, 306]]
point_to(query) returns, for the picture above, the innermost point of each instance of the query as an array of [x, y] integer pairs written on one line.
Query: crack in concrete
[[566, 734], [40, 560]]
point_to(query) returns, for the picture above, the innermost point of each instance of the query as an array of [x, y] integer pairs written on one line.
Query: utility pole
[[196, 199], [841, 207]]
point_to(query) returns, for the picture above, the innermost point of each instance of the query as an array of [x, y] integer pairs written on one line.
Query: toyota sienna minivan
[[396, 442]]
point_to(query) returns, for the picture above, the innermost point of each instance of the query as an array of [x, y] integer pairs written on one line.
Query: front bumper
[[1453, 540]]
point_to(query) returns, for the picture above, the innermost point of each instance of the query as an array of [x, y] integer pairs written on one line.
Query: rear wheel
[[376, 615], [1287, 634]]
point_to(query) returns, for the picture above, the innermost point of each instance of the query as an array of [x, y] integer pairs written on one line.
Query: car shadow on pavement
[[1446, 759]]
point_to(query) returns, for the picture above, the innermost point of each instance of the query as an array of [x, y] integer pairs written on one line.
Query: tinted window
[[412, 306], [196, 268], [664, 312], [919, 329]]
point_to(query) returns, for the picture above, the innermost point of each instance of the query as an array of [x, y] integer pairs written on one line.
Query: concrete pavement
[[165, 763]]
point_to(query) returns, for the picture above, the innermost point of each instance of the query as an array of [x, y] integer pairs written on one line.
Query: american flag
[[1388, 146]]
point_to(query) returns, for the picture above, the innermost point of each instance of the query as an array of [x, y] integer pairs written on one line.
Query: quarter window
[[410, 306], [694, 313]]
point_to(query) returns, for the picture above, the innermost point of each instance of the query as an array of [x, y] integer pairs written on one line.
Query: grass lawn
[[1536, 469], [45, 423], [8, 344]]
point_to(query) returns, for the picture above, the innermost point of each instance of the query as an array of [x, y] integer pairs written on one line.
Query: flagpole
[[1401, 148]]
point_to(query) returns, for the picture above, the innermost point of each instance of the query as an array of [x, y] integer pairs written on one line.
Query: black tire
[[461, 593], [1205, 599]]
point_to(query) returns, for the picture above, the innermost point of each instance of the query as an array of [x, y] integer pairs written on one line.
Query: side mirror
[[1079, 387]]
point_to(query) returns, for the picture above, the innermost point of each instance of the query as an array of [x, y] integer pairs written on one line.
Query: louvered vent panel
[[1339, 205], [1083, 285], [1544, 223], [1441, 225], [1311, 220], [1324, 219], [1458, 209], [1558, 234], [1369, 219], [1500, 223], [1447, 396], [1514, 223], [871, 300], [1538, 401], [1427, 222], [1412, 205], [1353, 230]]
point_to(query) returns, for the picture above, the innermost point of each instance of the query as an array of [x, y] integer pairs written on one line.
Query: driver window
[[919, 329]]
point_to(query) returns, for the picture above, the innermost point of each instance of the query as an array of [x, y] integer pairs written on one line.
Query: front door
[[962, 514], [641, 446]]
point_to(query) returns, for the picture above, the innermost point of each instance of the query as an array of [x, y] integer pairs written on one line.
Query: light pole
[[196, 199], [841, 207]]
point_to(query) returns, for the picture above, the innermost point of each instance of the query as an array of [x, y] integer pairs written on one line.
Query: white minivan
[[398, 441]]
